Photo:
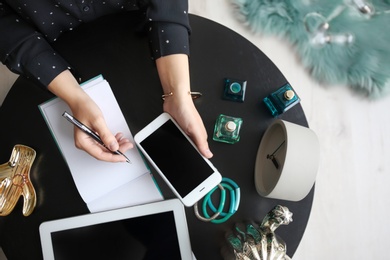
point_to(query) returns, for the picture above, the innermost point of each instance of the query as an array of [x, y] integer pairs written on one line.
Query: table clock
[[287, 161]]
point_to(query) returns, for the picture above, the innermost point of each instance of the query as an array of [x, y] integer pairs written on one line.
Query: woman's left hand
[[173, 71], [184, 112]]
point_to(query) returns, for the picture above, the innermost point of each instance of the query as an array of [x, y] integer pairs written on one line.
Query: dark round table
[[109, 46]]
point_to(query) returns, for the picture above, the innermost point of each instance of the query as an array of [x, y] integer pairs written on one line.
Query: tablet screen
[[145, 237], [174, 155]]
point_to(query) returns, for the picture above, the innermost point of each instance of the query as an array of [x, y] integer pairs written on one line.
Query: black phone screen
[[140, 238], [175, 156]]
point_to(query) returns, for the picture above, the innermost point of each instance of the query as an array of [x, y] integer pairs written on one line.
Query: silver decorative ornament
[[259, 242]]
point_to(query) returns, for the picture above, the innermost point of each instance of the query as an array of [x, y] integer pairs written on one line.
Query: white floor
[[349, 215]]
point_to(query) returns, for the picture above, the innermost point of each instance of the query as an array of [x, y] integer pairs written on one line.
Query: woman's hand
[[87, 112], [174, 76], [90, 114], [186, 115]]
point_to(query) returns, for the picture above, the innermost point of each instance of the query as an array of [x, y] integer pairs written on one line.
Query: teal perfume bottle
[[281, 100], [227, 129], [234, 89]]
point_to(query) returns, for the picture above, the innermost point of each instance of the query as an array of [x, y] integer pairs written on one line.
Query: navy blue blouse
[[27, 27]]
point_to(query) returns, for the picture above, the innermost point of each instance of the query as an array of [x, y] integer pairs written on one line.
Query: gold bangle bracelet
[[194, 95], [166, 95]]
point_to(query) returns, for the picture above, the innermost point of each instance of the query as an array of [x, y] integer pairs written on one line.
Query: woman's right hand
[[86, 111]]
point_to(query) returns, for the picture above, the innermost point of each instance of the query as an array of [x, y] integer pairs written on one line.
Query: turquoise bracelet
[[220, 208], [235, 196]]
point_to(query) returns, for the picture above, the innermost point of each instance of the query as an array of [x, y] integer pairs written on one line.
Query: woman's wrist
[[180, 95], [66, 87], [174, 75]]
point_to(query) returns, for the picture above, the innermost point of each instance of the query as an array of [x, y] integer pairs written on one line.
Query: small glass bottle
[[234, 89], [281, 100], [227, 129]]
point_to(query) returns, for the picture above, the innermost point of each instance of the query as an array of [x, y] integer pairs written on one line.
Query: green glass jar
[[281, 100], [227, 129], [234, 89]]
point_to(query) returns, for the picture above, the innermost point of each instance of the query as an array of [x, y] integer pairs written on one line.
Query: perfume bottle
[[281, 100], [227, 129], [234, 90]]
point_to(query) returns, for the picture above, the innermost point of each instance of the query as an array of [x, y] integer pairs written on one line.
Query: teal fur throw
[[339, 42]]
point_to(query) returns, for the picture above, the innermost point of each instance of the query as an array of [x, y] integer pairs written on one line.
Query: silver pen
[[91, 133]]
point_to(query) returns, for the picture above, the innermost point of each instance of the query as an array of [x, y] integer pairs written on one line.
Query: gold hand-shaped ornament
[[15, 181]]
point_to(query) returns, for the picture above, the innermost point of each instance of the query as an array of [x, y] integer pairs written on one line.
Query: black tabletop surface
[[109, 46]]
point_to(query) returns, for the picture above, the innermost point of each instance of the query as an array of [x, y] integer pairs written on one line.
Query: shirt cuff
[[46, 66], [36, 60], [168, 38]]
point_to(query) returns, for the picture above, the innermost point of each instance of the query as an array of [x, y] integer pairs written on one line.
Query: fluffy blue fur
[[363, 64]]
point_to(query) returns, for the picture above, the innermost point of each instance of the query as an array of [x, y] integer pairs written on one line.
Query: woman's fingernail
[[113, 146]]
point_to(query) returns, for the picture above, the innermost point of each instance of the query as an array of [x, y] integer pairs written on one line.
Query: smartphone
[[175, 157]]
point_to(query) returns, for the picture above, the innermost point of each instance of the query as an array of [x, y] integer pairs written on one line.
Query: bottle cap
[[230, 126], [289, 94]]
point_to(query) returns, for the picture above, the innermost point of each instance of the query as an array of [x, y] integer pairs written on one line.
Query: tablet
[[151, 231], [175, 157]]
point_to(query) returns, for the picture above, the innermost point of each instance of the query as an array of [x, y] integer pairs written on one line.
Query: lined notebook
[[102, 185]]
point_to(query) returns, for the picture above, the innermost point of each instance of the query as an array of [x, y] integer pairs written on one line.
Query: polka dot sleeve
[[38, 61], [25, 51], [168, 38], [28, 27], [168, 27]]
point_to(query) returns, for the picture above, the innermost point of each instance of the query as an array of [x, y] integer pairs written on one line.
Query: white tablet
[[152, 231], [175, 157]]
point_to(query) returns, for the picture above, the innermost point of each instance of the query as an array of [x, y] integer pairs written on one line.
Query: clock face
[[287, 161], [270, 158]]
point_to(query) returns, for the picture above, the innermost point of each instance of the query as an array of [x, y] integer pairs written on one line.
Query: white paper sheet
[[135, 192], [96, 179]]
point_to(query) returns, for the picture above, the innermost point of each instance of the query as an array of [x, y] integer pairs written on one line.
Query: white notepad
[[102, 185]]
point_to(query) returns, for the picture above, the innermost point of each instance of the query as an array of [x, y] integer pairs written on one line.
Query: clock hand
[[272, 156]]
